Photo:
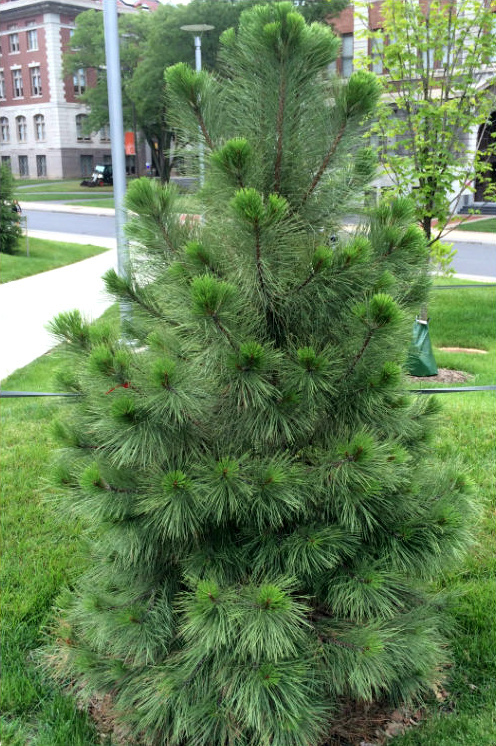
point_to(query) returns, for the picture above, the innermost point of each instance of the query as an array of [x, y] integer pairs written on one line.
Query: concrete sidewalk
[[27, 305]]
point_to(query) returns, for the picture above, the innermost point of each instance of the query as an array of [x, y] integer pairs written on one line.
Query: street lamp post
[[197, 29], [116, 129], [112, 59]]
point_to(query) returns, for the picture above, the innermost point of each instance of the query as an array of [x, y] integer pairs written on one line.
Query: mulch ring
[[445, 375], [355, 723], [372, 724]]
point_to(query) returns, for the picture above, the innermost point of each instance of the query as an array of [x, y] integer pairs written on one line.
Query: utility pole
[[116, 132], [197, 29]]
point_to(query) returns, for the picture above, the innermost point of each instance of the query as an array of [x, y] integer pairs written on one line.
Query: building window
[[79, 80], [39, 127], [35, 74], [7, 162], [2, 84], [17, 83], [22, 129], [13, 43], [32, 37], [23, 165], [428, 59], [86, 165], [347, 55], [4, 129], [376, 53], [41, 169], [105, 133], [80, 122]]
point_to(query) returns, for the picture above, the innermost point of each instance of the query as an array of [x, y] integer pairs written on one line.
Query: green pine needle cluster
[[265, 515]]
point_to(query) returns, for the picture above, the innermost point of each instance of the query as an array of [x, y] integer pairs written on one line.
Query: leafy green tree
[[322, 10], [10, 230], [262, 514], [435, 57]]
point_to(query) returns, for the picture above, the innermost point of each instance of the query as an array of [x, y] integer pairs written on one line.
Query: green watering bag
[[420, 356]]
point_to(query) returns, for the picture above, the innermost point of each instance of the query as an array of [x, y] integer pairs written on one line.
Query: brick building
[[41, 119]]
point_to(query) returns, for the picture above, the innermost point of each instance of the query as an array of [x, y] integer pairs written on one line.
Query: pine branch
[[279, 129], [325, 163], [258, 255], [359, 355], [108, 487], [347, 645], [223, 330], [167, 238], [203, 126], [314, 273]]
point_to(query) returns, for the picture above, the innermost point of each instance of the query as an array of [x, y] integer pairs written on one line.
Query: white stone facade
[[59, 153]]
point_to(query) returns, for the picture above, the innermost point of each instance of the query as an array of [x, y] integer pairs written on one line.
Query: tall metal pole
[[197, 29], [198, 67], [198, 63], [116, 130]]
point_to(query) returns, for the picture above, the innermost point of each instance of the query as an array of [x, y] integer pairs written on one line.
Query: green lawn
[[43, 255], [93, 201], [40, 555], [63, 196], [466, 318], [41, 552], [487, 225], [67, 185]]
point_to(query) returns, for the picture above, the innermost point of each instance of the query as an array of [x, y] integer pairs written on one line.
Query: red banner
[[129, 143]]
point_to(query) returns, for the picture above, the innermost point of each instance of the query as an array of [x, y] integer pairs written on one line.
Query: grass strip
[[478, 226], [68, 185], [40, 555], [62, 196], [94, 202], [43, 256]]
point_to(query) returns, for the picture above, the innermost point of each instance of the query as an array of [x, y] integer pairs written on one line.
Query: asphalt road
[[61, 222], [471, 258], [475, 259]]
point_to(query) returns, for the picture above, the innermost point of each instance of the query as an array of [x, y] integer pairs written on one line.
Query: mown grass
[[59, 186], [95, 202], [62, 196], [487, 226], [43, 256], [466, 318], [42, 553]]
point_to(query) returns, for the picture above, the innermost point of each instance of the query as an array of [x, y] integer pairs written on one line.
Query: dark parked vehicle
[[101, 176]]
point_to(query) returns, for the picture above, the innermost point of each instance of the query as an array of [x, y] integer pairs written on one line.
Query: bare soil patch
[[471, 350], [445, 375]]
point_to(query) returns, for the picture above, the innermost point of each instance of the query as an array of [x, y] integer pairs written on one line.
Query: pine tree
[[10, 228], [265, 523]]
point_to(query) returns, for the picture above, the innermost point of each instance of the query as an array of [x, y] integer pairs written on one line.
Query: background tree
[[321, 10], [150, 43], [263, 518], [10, 231], [435, 57]]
